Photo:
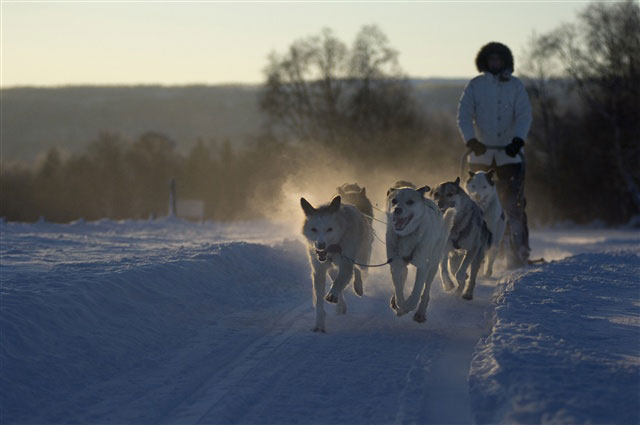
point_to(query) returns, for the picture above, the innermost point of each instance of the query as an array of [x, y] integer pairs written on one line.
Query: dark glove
[[477, 147], [514, 147]]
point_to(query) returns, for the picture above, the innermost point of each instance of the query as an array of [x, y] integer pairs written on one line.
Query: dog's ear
[[424, 190], [334, 206], [307, 207], [490, 176], [457, 182], [363, 191], [391, 189]]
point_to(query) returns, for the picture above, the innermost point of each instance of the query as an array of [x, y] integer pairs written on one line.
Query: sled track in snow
[[199, 404], [406, 372]]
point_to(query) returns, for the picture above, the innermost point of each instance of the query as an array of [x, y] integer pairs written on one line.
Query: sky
[[178, 43]]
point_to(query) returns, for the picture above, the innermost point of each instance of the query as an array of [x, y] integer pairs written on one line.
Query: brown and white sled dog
[[468, 240], [337, 235], [482, 190], [417, 234]]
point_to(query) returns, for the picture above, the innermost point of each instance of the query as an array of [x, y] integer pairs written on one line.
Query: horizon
[[214, 43], [195, 84]]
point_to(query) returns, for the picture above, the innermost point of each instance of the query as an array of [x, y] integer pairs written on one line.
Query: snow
[[565, 344], [168, 321]]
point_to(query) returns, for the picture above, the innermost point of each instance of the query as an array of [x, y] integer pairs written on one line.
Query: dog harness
[[463, 233], [337, 249]]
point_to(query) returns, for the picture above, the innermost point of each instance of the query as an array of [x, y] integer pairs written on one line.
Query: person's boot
[[518, 252]]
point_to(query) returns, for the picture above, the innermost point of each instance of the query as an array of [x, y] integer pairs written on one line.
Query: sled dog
[[468, 240], [416, 234], [337, 236], [357, 196], [482, 190]]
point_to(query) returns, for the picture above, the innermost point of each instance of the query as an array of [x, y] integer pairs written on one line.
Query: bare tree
[[599, 56], [321, 91], [304, 87]]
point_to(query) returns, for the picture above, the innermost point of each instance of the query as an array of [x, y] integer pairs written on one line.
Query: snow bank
[[84, 303], [565, 345]]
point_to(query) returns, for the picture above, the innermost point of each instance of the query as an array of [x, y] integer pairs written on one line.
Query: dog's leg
[[333, 273], [341, 308], [490, 258], [345, 273], [461, 274], [418, 287], [319, 279], [357, 282], [398, 276], [421, 312], [455, 259], [495, 247], [467, 294], [447, 283]]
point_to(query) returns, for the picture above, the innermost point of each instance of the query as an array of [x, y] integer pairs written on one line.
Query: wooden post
[[172, 197]]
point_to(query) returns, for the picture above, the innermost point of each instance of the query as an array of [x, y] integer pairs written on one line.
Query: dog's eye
[[410, 202], [435, 195], [313, 229], [330, 229], [394, 201]]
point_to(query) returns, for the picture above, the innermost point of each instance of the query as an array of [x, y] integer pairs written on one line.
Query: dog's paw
[[467, 295], [358, 289], [447, 283], [420, 317], [397, 309], [319, 329], [448, 287], [461, 279], [392, 303], [331, 298], [400, 312]]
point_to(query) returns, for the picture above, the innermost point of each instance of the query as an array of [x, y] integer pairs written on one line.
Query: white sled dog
[[416, 234], [468, 240], [482, 190], [338, 235]]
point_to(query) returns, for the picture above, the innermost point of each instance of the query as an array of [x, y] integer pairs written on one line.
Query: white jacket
[[494, 112]]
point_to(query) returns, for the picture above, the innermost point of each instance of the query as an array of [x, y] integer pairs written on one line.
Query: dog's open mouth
[[322, 255], [479, 199], [400, 223]]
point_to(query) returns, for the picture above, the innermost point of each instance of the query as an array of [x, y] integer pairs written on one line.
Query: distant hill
[[35, 119]]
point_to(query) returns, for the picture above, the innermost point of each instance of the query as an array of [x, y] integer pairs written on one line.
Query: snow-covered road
[[370, 368], [174, 322]]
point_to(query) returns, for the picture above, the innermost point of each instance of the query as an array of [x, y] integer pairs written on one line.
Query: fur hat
[[494, 48]]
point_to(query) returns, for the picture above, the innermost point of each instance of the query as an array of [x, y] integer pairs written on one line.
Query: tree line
[[336, 111], [584, 84]]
